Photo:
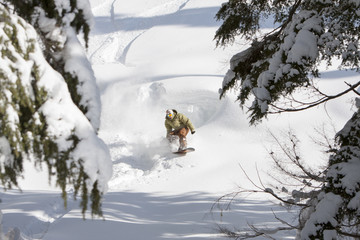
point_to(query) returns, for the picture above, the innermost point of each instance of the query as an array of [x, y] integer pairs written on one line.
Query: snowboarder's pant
[[182, 132]]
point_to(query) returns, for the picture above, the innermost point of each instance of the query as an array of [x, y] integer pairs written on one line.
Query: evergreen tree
[[58, 23], [46, 87], [337, 210], [307, 33], [277, 63]]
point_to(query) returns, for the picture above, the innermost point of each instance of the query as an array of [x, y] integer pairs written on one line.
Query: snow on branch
[[288, 58]]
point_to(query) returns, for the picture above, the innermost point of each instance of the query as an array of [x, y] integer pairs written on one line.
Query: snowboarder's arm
[[186, 121], [168, 128]]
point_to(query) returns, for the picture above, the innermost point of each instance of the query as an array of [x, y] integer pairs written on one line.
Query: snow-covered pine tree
[[307, 33], [39, 119], [58, 23], [337, 210]]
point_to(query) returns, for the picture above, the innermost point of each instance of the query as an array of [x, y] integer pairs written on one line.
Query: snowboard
[[186, 150]]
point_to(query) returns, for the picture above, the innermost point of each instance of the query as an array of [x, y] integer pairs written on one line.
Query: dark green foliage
[[21, 138], [73, 82], [96, 200], [240, 18]]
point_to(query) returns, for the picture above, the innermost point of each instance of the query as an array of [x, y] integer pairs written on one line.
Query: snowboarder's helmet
[[169, 114]]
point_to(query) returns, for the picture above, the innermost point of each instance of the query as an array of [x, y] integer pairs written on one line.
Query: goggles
[[169, 115]]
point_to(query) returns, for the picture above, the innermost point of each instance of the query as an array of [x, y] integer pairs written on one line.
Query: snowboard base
[[186, 150]]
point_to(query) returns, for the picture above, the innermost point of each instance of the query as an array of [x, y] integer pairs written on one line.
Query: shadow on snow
[[141, 215], [201, 17]]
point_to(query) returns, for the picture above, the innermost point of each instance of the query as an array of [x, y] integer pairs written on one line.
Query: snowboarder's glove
[[192, 132]]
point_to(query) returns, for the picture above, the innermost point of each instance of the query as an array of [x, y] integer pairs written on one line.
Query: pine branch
[[322, 100], [347, 234], [255, 232], [270, 191], [284, 222], [355, 91], [295, 159]]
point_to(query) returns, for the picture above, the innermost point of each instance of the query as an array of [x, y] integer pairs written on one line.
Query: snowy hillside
[[148, 56]]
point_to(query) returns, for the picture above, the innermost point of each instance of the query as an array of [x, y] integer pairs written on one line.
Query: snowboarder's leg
[[173, 142], [182, 137]]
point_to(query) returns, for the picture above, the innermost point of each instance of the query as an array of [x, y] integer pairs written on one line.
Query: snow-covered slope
[[148, 56]]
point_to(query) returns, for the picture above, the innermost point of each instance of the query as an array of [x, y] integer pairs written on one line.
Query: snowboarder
[[179, 125]]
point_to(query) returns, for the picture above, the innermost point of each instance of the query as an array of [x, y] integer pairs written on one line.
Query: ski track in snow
[[134, 162], [124, 31]]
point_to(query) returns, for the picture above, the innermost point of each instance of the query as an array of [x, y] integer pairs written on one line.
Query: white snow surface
[[149, 56]]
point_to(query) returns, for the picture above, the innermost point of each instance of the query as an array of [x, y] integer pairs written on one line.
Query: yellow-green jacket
[[179, 121]]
